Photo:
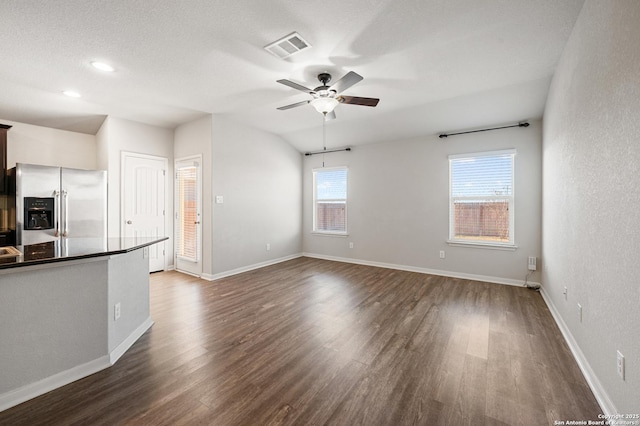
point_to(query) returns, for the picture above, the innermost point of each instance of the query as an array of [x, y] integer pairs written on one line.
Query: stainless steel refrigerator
[[55, 203]]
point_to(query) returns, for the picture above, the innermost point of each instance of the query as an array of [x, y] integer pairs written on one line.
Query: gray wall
[[31, 144], [259, 176], [398, 209], [53, 319], [58, 321], [195, 138], [591, 215], [117, 135], [128, 285]]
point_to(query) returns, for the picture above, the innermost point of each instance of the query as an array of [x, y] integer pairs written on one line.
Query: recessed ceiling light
[[71, 93], [102, 66]]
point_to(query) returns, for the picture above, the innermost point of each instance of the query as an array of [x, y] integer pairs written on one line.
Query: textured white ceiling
[[436, 65]]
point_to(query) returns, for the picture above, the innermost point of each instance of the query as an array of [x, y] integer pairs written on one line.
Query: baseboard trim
[[191, 274], [607, 406], [123, 347], [210, 277], [207, 277], [450, 274], [33, 390]]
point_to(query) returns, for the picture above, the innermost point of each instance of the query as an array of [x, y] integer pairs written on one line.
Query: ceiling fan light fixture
[[325, 105], [326, 98]]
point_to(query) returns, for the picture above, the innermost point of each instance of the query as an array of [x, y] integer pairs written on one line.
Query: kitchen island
[[68, 309]]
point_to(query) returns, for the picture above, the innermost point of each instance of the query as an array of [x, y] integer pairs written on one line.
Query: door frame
[[196, 158], [167, 198]]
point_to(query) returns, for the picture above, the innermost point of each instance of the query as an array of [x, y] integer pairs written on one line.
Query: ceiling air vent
[[287, 46]]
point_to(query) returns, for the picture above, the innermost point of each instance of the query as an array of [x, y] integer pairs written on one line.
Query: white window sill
[[476, 244], [330, 234]]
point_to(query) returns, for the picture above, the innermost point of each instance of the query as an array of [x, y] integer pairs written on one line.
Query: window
[[188, 210], [481, 207], [330, 200]]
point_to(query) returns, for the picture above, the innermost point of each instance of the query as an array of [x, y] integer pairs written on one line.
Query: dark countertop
[[74, 249]]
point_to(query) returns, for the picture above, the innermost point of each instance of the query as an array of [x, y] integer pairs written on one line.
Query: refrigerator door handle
[[65, 231], [56, 195]]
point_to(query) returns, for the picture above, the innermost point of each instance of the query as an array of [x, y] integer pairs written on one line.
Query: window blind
[[188, 243], [330, 200], [481, 197]]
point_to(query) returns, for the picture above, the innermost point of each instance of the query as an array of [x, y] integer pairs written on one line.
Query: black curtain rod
[[445, 135], [327, 151]]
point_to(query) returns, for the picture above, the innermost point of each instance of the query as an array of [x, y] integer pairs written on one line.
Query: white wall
[[398, 209], [259, 176], [31, 144], [117, 135], [195, 138], [591, 215]]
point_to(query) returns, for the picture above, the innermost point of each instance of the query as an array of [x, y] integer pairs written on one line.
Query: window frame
[[511, 199], [315, 229]]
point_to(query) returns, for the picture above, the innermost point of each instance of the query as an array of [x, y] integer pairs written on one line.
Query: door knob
[[129, 222]]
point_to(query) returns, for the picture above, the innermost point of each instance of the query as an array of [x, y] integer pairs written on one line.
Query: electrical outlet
[[219, 199], [351, 245], [268, 246], [442, 254], [565, 292], [116, 311], [580, 312], [620, 364], [531, 263]]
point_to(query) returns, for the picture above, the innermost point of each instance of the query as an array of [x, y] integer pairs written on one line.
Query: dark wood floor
[[312, 342]]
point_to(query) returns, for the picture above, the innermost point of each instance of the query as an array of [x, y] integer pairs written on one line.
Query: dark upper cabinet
[[3, 157]]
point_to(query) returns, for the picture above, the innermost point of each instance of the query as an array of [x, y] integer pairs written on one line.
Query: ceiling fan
[[326, 98]]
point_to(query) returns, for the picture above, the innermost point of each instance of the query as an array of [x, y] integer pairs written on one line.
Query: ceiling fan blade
[[354, 100], [297, 104], [347, 81], [295, 86], [330, 116]]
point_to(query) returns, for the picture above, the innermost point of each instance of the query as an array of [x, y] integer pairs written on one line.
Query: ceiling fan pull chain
[[324, 136]]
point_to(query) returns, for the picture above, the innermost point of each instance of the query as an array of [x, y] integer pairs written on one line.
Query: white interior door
[[143, 187], [188, 212]]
